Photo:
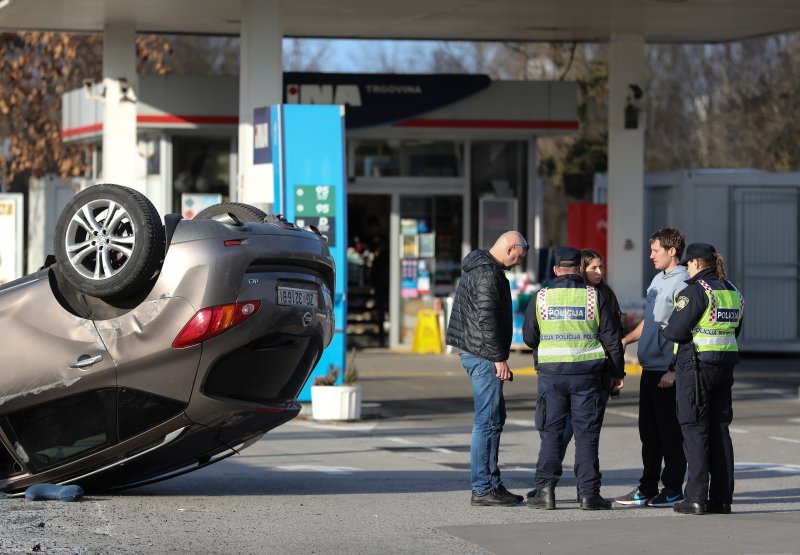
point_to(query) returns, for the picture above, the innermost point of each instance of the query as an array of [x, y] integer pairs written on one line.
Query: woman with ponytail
[[705, 324]]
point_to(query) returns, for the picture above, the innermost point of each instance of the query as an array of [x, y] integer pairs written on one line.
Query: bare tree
[[37, 69], [306, 54]]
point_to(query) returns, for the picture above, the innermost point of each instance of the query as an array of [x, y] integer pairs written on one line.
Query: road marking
[[522, 423], [794, 420], [340, 470], [440, 450], [623, 413], [343, 427], [519, 469], [738, 430], [782, 468], [401, 440], [786, 439]]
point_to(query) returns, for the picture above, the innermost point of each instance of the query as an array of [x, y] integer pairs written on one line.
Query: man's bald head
[[510, 248]]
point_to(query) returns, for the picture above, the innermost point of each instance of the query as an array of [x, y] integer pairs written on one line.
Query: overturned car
[[147, 350]]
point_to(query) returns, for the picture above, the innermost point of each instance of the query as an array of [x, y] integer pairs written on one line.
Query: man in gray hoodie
[[659, 430]]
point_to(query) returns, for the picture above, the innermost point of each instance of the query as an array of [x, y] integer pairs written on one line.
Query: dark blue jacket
[[610, 337], [680, 323]]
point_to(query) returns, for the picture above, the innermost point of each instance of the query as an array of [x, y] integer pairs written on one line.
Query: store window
[[499, 171], [200, 172], [430, 254], [148, 146], [407, 158]]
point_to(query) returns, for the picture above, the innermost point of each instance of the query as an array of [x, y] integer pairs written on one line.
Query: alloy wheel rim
[[100, 239]]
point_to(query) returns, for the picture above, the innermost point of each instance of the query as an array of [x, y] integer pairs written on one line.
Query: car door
[[57, 380], [154, 380]]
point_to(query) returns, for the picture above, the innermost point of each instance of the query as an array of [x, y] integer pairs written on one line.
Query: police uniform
[[705, 324], [571, 328]]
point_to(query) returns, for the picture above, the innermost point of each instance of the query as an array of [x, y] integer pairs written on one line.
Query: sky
[[367, 56]]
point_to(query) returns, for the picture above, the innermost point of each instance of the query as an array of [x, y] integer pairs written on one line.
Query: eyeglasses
[[526, 247]]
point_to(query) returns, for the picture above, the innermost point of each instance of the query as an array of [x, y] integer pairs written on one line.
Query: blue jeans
[[487, 425]]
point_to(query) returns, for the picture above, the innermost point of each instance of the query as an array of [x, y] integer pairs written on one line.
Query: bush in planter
[[349, 377], [329, 378]]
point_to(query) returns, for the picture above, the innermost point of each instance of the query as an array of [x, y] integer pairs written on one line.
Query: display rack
[[364, 320]]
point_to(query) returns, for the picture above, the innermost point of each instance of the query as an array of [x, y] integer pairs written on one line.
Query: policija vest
[[716, 329], [568, 321]]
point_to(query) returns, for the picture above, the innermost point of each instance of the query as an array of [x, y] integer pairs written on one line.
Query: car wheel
[[109, 241], [240, 211]]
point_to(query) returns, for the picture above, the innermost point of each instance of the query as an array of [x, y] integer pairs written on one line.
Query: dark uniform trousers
[[579, 396], [660, 435], [706, 438]]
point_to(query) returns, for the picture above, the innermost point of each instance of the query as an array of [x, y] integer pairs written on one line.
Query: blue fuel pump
[[307, 153]]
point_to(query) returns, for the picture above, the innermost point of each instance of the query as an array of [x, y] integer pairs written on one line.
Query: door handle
[[85, 360]]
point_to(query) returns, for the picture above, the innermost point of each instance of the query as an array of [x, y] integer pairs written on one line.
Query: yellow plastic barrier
[[427, 338]]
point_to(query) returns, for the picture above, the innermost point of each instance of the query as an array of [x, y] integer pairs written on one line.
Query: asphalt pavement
[[398, 482]]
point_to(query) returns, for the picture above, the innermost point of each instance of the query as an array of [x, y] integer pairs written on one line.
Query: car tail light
[[209, 322]]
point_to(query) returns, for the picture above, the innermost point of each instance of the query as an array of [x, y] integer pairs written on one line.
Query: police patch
[[566, 313], [681, 302], [728, 315]]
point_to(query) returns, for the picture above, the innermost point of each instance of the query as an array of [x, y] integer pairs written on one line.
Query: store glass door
[[431, 234], [368, 266]]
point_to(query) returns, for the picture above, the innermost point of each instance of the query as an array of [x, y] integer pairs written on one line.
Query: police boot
[[595, 502], [544, 498]]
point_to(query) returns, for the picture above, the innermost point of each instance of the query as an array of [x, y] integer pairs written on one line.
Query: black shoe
[[718, 508], [503, 492], [500, 497], [635, 498], [544, 498], [666, 498], [686, 507], [595, 503]]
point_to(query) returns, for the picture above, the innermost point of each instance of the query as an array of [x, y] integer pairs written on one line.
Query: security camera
[[636, 90], [89, 92], [124, 86]]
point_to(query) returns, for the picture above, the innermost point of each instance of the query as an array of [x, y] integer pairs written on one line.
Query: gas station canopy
[[522, 20], [626, 25]]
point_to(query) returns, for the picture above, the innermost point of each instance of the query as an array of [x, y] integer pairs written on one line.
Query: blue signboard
[[262, 145], [374, 99], [307, 147]]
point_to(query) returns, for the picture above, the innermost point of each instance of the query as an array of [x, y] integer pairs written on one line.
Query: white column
[[626, 237], [119, 120], [535, 229], [260, 84]]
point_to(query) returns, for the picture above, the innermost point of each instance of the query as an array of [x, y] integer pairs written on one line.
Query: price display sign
[[314, 205]]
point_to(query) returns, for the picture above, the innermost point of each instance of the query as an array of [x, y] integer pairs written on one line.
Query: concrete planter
[[336, 402]]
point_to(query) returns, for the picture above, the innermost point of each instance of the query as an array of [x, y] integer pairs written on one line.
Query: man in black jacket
[[481, 325]]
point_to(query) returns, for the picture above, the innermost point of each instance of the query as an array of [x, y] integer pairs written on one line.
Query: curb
[[630, 370]]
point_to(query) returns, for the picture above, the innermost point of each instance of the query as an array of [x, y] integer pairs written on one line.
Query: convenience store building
[[436, 165]]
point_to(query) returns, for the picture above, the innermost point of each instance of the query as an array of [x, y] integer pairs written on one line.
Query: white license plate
[[290, 296]]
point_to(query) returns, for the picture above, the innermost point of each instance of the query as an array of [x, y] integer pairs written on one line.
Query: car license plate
[[290, 296]]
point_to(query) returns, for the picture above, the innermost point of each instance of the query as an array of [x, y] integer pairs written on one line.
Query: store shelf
[[363, 318]]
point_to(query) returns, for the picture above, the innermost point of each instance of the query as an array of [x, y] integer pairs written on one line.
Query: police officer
[[705, 324], [571, 329]]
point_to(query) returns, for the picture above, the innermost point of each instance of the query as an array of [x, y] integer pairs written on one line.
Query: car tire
[[109, 241], [240, 211]]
